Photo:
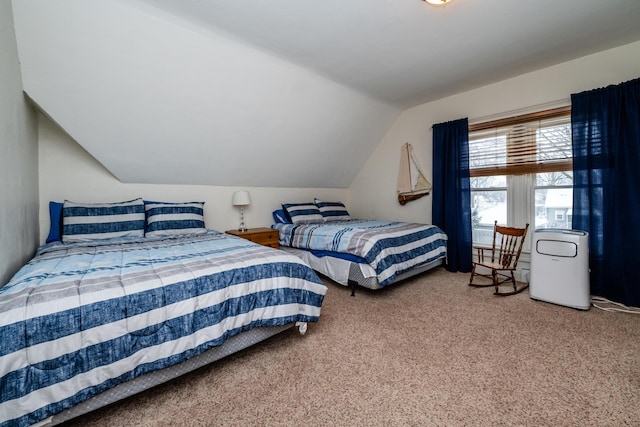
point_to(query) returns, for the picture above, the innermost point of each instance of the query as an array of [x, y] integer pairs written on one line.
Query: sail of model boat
[[412, 183]]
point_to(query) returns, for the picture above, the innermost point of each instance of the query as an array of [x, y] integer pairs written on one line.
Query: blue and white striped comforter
[[81, 318], [391, 248]]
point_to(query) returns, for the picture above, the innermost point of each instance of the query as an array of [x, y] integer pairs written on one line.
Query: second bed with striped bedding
[[391, 248]]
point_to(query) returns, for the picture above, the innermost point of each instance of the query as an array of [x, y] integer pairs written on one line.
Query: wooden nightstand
[[264, 236]]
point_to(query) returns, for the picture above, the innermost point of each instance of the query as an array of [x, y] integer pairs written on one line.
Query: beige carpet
[[430, 351]]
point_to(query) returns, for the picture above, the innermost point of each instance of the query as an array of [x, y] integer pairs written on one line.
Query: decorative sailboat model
[[412, 183]]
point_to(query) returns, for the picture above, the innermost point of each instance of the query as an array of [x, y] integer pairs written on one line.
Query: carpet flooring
[[429, 351]]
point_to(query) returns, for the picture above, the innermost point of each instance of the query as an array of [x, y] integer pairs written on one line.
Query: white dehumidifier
[[560, 268]]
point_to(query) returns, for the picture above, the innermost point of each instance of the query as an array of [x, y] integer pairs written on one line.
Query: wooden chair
[[505, 252]]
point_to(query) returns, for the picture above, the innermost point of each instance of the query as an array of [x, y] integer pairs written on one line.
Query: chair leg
[[473, 272], [494, 274]]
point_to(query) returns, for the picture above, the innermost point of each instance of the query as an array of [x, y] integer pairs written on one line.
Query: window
[[521, 172]]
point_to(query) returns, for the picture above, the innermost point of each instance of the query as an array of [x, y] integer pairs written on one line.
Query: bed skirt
[[348, 273]]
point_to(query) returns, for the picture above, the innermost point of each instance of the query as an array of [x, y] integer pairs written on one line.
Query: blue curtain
[[451, 210], [606, 197]]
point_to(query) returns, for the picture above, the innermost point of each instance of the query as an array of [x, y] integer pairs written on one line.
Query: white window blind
[[530, 143]]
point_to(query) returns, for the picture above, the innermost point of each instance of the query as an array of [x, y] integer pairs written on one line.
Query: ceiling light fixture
[[438, 2]]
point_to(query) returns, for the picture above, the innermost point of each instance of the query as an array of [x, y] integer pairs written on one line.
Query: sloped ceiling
[[279, 93], [407, 52]]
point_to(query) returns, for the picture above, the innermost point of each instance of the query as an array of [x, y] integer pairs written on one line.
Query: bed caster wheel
[[302, 327]]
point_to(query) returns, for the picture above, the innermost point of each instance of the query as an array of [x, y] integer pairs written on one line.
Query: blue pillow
[[55, 218], [170, 219], [280, 217], [82, 222], [303, 213], [333, 211]]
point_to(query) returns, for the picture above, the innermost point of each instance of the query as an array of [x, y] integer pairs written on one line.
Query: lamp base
[[242, 227]]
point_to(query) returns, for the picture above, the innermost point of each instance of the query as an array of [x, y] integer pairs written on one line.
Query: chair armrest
[[480, 250]]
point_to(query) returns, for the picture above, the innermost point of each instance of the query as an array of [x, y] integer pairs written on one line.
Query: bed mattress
[[348, 273]]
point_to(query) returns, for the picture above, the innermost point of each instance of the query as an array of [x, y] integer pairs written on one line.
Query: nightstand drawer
[[263, 236]]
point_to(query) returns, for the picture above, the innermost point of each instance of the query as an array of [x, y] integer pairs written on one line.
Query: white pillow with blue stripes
[[332, 211], [170, 219], [83, 222], [303, 213]]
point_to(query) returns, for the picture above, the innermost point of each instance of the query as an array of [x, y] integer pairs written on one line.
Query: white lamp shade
[[241, 198]]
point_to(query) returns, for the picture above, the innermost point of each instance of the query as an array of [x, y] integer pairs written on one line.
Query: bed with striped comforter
[[391, 248], [81, 318]]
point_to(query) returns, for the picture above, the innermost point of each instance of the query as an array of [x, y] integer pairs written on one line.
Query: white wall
[[67, 171], [18, 158], [373, 192], [142, 93]]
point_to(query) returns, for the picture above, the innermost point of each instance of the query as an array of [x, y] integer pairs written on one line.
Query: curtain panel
[[606, 195], [451, 207]]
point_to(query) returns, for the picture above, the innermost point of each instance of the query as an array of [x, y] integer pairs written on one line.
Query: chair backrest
[[507, 245]]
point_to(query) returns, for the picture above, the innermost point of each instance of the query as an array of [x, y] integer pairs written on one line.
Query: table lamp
[[242, 199]]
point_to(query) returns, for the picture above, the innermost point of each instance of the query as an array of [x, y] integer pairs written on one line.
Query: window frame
[[521, 183]]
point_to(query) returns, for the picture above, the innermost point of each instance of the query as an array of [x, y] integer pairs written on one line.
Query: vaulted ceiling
[[282, 93], [406, 52]]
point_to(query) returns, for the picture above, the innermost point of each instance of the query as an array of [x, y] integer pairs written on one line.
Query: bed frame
[[352, 274], [232, 345]]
